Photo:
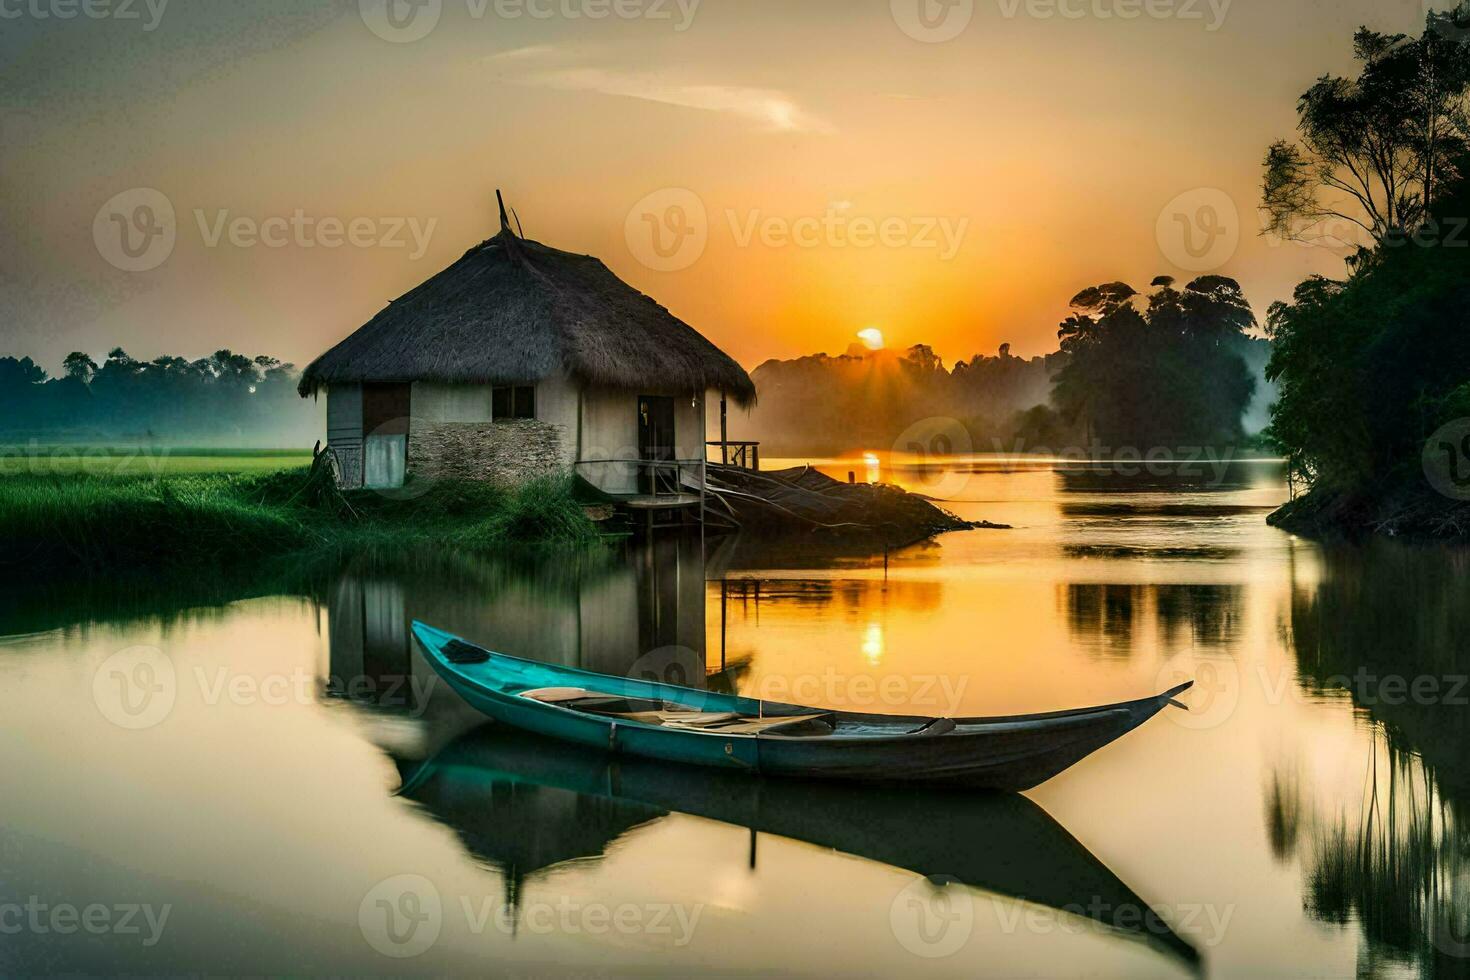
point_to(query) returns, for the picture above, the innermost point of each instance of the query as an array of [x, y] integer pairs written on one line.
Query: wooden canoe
[[678, 724]]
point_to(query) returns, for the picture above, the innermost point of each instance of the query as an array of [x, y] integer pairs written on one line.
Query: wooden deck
[[662, 501]]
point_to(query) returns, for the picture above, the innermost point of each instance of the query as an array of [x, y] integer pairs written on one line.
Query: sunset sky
[[850, 174]]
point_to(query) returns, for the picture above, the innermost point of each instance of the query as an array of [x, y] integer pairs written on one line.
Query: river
[[235, 774]]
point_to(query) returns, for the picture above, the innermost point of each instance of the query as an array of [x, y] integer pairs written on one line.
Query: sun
[[872, 338]]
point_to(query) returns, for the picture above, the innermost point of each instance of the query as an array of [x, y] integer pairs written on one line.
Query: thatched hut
[[521, 360]]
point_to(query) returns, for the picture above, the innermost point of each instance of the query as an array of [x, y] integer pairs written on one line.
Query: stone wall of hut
[[500, 452], [451, 435]]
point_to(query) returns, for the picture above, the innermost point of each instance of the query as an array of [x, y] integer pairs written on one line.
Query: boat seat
[[756, 726], [556, 695]]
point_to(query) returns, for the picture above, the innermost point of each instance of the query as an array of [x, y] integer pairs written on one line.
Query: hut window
[[518, 402]]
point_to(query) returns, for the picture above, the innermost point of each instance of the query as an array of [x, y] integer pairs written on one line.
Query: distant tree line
[[1169, 371], [863, 399], [1166, 371], [226, 398]]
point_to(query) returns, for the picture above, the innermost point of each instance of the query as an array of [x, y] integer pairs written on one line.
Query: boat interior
[[666, 714]]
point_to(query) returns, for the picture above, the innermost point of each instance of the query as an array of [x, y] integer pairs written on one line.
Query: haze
[[827, 147]]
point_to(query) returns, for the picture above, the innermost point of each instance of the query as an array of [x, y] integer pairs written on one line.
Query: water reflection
[[642, 611], [1104, 617], [1386, 625], [525, 805]]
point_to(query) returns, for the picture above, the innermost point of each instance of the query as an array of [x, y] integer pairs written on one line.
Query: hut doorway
[[656, 444], [385, 414]]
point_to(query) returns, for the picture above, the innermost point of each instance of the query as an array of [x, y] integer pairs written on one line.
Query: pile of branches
[[802, 499]]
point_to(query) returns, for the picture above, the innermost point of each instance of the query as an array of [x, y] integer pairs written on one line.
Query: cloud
[[772, 109]]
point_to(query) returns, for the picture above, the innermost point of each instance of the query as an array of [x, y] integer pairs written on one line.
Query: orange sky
[[955, 193]]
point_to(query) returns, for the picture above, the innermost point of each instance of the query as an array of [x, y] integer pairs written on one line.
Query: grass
[[124, 461], [119, 525]]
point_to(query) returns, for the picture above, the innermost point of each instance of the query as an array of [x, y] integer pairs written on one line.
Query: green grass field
[[128, 461]]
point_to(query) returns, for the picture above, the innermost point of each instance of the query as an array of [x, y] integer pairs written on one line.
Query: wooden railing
[[667, 474], [742, 455]]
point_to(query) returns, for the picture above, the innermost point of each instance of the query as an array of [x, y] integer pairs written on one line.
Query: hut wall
[[344, 431], [452, 434], [610, 435]]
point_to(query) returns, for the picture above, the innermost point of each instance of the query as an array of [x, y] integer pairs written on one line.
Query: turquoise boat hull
[[1001, 753]]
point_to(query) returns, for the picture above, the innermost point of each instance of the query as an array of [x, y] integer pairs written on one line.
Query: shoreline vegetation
[[1373, 370], [139, 515], [65, 526]]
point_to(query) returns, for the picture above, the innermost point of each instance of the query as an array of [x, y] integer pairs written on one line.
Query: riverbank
[[79, 526], [1414, 512]]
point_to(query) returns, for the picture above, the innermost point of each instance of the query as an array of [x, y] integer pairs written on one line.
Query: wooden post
[[724, 429]]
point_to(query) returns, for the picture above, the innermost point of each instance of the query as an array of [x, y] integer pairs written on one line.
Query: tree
[[15, 374], [1375, 150], [1370, 367], [79, 366], [1162, 371]]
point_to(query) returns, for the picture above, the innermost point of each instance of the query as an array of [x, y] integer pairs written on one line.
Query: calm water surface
[[267, 774]]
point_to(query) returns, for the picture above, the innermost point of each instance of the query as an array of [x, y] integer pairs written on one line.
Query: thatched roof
[[513, 310]]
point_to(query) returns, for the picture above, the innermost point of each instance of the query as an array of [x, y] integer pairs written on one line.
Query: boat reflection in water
[[525, 804]]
